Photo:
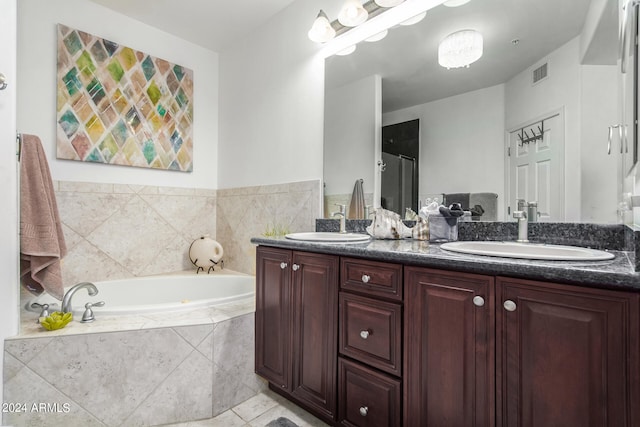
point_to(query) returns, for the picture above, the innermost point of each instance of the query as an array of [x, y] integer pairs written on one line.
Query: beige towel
[[42, 244]]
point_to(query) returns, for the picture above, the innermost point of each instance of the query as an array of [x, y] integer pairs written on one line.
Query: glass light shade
[[352, 14], [388, 3], [347, 51], [455, 3], [321, 31], [377, 37], [415, 19], [460, 49]]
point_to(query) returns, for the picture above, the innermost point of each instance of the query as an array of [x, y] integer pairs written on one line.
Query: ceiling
[[212, 24], [407, 58]]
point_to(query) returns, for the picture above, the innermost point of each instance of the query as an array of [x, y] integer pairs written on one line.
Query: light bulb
[[321, 31], [352, 14]]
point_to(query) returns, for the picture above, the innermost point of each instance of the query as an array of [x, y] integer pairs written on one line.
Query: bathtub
[[156, 294]]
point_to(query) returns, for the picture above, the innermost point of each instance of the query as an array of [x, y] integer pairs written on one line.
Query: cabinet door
[[315, 313], [566, 356], [448, 342], [273, 321]]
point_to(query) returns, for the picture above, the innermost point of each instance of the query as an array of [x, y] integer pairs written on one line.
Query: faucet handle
[[45, 309], [341, 208], [88, 315], [519, 214]]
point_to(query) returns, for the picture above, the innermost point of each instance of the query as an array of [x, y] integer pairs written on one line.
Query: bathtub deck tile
[[194, 335], [185, 394]]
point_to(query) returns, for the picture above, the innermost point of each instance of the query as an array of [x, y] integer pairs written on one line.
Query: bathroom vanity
[[392, 333]]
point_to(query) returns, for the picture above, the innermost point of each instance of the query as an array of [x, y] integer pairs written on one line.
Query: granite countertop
[[618, 273]]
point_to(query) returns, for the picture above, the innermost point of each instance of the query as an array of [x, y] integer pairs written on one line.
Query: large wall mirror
[[528, 120]]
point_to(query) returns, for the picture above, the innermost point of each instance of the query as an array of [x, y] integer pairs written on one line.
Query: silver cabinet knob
[[283, 265], [365, 278], [295, 267], [364, 411], [509, 305], [478, 301], [364, 334], [3, 82]]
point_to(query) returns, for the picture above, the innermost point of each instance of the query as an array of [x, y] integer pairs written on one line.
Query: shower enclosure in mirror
[[467, 115]]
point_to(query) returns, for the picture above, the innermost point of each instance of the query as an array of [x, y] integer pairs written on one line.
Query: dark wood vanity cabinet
[[296, 330], [566, 356], [382, 344], [448, 349]]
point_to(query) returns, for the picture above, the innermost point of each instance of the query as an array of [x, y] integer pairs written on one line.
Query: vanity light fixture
[[377, 37], [455, 3], [321, 31], [388, 3], [352, 14], [415, 19], [460, 49]]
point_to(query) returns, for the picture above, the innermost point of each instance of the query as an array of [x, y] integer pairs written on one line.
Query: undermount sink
[[528, 251], [329, 237]]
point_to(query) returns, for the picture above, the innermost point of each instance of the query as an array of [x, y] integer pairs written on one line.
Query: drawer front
[[367, 398], [371, 332], [372, 278]]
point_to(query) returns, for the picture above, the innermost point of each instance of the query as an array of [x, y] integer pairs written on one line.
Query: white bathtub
[[155, 294]]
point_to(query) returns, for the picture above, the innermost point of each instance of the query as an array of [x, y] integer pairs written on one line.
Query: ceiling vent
[[540, 73]]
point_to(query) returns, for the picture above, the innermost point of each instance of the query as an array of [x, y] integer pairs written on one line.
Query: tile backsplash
[[117, 231]]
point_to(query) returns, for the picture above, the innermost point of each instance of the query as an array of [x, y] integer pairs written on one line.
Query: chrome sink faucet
[[66, 300], [523, 226], [343, 216]]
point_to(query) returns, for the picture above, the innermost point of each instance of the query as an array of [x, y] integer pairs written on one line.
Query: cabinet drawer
[[373, 278], [371, 332], [367, 398]]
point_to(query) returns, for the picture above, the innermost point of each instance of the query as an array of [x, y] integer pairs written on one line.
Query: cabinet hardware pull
[[283, 265], [478, 301], [509, 305], [295, 267], [364, 334], [365, 278], [364, 410]]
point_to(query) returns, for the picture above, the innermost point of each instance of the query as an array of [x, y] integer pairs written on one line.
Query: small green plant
[[276, 230]]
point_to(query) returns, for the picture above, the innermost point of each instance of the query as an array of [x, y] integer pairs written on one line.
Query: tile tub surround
[[245, 212], [132, 378], [116, 231]]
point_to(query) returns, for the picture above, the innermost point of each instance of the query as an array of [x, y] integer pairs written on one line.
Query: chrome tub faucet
[[66, 300]]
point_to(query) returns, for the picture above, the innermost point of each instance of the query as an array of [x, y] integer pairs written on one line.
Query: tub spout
[[66, 300]]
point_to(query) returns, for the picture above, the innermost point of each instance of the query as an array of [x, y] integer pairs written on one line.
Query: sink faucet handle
[[88, 315], [519, 214], [341, 208]]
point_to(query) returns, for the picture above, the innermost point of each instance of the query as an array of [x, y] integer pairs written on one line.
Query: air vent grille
[[540, 73]]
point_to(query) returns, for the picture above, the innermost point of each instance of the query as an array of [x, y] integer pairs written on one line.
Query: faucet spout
[[66, 300], [523, 229]]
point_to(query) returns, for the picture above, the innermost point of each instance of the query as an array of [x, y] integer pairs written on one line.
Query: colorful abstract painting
[[117, 105]]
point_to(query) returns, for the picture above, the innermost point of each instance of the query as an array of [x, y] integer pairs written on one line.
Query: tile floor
[[258, 411]]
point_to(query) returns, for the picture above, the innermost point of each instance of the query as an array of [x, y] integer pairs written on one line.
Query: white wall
[[271, 103], [599, 171], [37, 22], [8, 181], [350, 135], [525, 103], [461, 142]]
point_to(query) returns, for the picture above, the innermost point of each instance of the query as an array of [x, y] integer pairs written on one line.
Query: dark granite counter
[[618, 273]]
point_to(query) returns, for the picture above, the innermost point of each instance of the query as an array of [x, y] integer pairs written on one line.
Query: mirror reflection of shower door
[[398, 183]]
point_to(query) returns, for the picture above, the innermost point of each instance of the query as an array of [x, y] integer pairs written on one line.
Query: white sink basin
[[329, 237], [528, 251]]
